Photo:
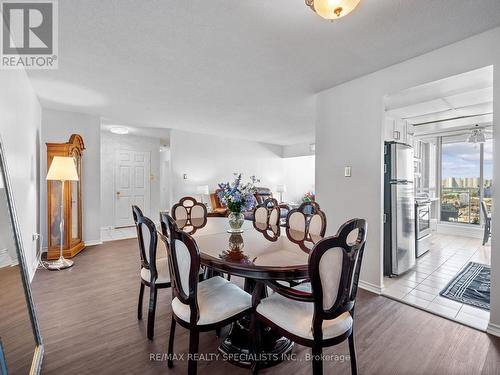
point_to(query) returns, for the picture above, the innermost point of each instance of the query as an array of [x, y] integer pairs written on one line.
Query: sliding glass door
[[466, 180]]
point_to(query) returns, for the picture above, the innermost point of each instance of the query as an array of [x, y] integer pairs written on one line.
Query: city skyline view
[[461, 190], [464, 182]]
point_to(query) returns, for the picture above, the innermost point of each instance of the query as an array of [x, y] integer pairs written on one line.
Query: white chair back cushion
[[352, 237], [274, 217], [197, 212], [330, 270], [181, 213], [315, 224], [184, 265], [146, 239], [261, 215], [297, 221]]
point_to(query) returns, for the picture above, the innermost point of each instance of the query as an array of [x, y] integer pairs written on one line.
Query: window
[[488, 173], [466, 172]]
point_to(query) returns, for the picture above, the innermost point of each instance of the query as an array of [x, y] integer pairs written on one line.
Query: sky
[[462, 160]]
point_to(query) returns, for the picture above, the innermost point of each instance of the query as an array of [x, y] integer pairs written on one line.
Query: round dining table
[[259, 253]]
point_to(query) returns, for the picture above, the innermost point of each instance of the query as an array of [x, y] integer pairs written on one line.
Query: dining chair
[[487, 222], [154, 269], [320, 313], [198, 306], [307, 218], [188, 208], [268, 212], [260, 215]]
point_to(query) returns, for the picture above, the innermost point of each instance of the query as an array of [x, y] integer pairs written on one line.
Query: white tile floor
[[118, 234], [421, 286]]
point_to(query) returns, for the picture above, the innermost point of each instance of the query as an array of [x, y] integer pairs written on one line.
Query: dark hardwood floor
[[89, 326], [16, 334]]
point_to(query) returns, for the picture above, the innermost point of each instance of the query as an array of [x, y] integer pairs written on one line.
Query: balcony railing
[[461, 205], [457, 205]]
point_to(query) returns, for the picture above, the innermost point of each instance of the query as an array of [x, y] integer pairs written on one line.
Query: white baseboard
[[493, 329], [370, 287], [93, 243]]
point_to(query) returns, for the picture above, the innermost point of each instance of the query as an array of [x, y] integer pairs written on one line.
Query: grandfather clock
[[72, 234]]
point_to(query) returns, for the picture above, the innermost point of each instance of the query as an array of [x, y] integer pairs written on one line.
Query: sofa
[[261, 194], [218, 209]]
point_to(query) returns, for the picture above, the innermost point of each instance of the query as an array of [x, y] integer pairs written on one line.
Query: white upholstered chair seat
[[218, 299], [296, 317], [161, 268]]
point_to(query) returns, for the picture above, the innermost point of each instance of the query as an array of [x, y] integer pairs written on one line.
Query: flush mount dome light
[[119, 130], [332, 9]]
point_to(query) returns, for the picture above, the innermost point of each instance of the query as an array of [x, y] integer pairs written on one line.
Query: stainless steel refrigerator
[[399, 209]]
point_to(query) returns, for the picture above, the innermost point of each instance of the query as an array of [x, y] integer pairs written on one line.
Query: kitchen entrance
[[437, 202]]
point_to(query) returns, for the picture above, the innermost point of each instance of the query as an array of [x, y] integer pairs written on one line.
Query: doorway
[[132, 185], [448, 125]]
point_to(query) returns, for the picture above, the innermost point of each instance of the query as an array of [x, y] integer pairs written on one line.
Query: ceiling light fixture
[[476, 136], [119, 130], [332, 9]]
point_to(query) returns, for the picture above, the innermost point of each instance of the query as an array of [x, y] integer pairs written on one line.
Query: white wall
[[20, 117], [57, 127], [350, 130], [299, 177], [209, 160], [110, 144]]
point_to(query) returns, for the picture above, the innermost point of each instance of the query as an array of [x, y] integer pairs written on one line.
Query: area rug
[[471, 286]]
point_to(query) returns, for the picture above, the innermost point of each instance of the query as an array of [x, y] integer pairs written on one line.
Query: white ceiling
[[245, 69], [450, 104], [142, 131]]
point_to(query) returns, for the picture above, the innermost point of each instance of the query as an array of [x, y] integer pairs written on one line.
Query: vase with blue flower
[[238, 198]]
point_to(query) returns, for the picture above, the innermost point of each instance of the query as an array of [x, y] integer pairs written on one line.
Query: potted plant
[[237, 197], [308, 197]]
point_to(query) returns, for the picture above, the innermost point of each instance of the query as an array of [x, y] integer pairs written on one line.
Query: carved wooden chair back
[[307, 218], [267, 212], [184, 263], [148, 241], [192, 213], [334, 266]]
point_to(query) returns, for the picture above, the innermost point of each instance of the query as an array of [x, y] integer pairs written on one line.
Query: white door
[[132, 185]]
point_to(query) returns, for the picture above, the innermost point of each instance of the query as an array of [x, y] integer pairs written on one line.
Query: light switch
[[347, 172]]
